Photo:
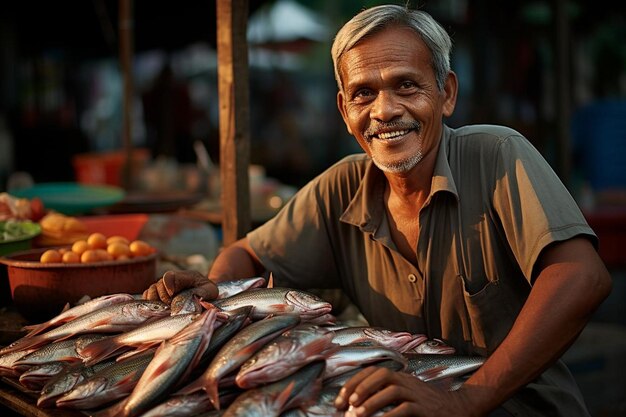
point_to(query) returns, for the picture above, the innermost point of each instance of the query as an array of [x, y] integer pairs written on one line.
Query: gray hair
[[373, 20]]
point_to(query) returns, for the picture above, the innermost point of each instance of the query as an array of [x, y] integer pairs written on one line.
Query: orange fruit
[[140, 248], [89, 256], [71, 257], [117, 249], [116, 238], [97, 241], [50, 256], [80, 246]]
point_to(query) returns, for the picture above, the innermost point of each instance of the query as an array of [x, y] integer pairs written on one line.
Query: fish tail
[[211, 388], [25, 343], [98, 351], [34, 329]]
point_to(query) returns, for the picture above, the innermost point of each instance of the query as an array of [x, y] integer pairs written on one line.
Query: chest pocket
[[493, 296]]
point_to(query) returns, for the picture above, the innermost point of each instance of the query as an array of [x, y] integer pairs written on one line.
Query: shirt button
[[412, 278]]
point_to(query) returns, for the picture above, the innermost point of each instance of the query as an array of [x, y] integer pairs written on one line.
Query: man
[[463, 234]]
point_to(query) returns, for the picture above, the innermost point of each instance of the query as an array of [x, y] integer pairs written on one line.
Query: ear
[[450, 91], [342, 109]]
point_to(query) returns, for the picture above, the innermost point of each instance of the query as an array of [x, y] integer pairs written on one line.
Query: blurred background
[[61, 86], [553, 69]]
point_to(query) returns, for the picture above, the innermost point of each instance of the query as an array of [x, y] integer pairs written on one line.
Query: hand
[[174, 282], [399, 394]]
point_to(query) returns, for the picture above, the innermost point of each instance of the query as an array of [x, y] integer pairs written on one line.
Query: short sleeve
[[534, 206], [295, 245]]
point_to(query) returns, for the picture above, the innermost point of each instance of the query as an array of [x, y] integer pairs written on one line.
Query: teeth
[[390, 135]]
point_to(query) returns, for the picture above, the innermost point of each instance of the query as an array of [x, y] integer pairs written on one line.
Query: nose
[[385, 107]]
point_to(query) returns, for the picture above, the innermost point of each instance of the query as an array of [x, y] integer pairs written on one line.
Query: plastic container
[[40, 291], [106, 167]]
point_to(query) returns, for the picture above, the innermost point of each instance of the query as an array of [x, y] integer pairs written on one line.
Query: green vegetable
[[11, 230]]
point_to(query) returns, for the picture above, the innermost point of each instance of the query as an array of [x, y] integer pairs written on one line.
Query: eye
[[407, 85], [363, 94]]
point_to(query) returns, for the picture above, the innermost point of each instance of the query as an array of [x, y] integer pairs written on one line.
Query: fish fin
[[211, 388], [126, 384], [270, 281], [191, 387], [431, 374], [283, 397], [99, 350], [208, 305], [144, 347], [281, 308]]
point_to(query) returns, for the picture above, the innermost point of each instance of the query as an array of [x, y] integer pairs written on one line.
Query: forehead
[[395, 48]]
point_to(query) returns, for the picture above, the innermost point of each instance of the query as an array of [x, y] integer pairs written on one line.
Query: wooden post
[[232, 74], [126, 60]]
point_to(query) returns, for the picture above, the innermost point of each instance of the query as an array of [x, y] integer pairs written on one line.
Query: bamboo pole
[[232, 57]]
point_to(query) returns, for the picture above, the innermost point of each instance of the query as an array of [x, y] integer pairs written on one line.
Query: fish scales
[[171, 363], [268, 301], [238, 349]]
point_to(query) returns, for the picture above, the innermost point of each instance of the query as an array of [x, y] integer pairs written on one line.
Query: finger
[[347, 393], [163, 295], [176, 281], [208, 290], [151, 293], [385, 399]]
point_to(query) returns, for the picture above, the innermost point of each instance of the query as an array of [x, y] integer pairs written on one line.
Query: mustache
[[377, 128]]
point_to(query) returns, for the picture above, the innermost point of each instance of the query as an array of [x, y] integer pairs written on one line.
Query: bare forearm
[[234, 262], [557, 310]]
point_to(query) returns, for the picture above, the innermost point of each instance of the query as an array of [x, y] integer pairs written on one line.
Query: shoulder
[[485, 133], [488, 139], [349, 169]]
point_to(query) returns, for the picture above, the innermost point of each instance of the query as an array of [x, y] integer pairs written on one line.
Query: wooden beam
[[232, 74]]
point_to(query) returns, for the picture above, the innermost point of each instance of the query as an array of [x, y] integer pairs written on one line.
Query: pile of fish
[[253, 351]]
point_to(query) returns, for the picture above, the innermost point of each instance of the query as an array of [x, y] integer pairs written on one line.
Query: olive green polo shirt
[[494, 204]]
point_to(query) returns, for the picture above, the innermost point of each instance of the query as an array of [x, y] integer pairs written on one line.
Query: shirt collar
[[367, 208]]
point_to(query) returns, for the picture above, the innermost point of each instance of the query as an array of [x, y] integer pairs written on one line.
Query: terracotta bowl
[[40, 291]]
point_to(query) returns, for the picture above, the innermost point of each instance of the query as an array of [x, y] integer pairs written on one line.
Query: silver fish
[[400, 341], [114, 318], [268, 301], [185, 302], [298, 389], [237, 350], [143, 337], [172, 362], [284, 355], [59, 351], [36, 377], [181, 405], [69, 314], [66, 380], [346, 358], [433, 367], [229, 288], [341, 379], [237, 320], [108, 384], [433, 346], [7, 360]]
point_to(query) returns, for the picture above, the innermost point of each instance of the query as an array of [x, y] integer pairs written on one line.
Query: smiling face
[[390, 101]]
